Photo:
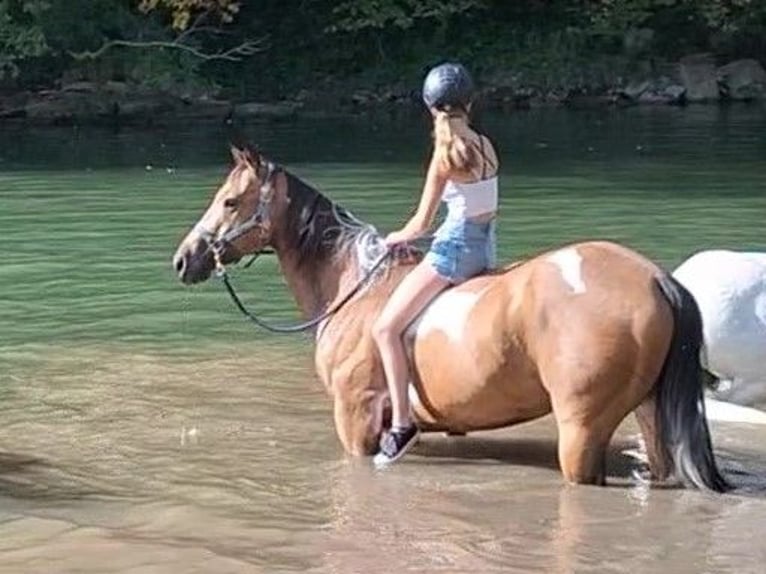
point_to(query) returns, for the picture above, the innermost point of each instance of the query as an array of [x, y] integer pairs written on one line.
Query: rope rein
[[221, 272]]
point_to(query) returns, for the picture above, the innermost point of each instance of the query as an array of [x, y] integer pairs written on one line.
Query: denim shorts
[[462, 249]]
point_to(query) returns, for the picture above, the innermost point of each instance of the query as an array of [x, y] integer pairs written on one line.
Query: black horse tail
[[680, 395]]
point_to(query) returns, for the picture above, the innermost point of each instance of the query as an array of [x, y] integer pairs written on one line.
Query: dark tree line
[[271, 48]]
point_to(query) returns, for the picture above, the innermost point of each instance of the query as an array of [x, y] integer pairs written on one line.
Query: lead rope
[[221, 272]]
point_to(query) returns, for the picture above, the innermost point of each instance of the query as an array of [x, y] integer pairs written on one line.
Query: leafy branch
[[234, 54], [190, 19]]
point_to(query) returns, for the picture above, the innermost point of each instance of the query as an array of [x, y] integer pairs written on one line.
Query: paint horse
[[730, 290], [590, 332]]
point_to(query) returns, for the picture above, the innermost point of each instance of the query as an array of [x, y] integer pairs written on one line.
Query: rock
[[12, 113], [663, 93], [676, 93], [68, 107], [267, 110], [363, 98], [743, 80], [634, 89], [206, 109], [140, 108], [580, 100], [80, 87], [659, 90], [699, 77], [12, 106]]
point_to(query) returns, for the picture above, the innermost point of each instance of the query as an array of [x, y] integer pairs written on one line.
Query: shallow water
[[147, 428]]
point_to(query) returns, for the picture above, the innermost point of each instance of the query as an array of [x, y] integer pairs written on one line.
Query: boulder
[[668, 95], [68, 107], [80, 87], [266, 110], [743, 80], [660, 90], [699, 77], [634, 89]]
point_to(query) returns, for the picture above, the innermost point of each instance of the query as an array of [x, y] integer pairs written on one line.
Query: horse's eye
[[230, 202]]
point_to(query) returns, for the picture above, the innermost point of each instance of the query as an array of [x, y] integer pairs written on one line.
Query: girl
[[462, 173]]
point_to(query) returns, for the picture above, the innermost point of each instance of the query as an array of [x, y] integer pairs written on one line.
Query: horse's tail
[[680, 394]]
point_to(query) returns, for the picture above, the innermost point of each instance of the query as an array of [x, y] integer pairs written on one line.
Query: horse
[[730, 290], [590, 331]]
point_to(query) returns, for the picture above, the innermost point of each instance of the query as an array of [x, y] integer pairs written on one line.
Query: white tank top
[[466, 200], [470, 199]]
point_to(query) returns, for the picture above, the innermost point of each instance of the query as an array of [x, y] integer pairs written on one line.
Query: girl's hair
[[451, 149]]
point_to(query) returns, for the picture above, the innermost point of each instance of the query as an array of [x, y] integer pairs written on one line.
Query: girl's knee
[[384, 330]]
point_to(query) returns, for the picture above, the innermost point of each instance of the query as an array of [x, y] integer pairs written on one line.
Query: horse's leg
[[359, 421], [582, 452], [659, 463], [587, 410], [360, 407]]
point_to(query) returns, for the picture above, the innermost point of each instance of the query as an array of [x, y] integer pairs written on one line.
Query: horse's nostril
[[180, 264]]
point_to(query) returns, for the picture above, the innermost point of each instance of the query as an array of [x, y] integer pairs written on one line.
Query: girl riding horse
[[463, 174]]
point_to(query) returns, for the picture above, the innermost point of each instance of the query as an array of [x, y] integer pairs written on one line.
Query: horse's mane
[[322, 229]]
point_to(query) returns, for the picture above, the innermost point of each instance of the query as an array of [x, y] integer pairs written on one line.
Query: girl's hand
[[398, 237]]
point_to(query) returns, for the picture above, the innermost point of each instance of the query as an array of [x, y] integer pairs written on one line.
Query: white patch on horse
[[569, 262], [447, 313]]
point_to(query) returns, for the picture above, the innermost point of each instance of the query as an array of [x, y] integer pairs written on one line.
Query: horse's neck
[[317, 248], [314, 284]]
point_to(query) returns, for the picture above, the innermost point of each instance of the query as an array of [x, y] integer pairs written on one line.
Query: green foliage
[[325, 43], [21, 36], [184, 12], [355, 15]]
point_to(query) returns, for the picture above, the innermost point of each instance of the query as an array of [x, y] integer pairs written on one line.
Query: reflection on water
[[147, 428]]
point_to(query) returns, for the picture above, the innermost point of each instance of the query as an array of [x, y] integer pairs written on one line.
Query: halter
[[261, 220]]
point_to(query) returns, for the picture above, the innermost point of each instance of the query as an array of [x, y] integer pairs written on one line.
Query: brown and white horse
[[591, 331]]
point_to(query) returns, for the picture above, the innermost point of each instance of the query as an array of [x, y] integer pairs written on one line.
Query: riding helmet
[[448, 85]]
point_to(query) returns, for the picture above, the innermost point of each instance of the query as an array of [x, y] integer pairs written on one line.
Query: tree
[[360, 14], [21, 36], [184, 12], [191, 23]]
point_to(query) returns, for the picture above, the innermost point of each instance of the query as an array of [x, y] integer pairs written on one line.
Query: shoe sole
[[385, 461]]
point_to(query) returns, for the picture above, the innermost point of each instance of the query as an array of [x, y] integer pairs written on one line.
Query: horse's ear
[[251, 155], [236, 154]]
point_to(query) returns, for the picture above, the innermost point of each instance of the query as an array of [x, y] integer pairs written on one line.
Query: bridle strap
[[259, 218], [221, 272], [262, 213]]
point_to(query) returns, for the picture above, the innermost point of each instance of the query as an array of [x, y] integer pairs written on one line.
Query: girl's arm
[[421, 221]]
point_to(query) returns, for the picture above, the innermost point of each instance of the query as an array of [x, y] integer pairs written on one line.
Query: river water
[[145, 427]]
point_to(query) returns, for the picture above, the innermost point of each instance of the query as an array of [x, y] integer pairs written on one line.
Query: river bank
[[695, 79]]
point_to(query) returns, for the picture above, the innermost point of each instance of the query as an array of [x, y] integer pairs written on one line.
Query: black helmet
[[448, 85]]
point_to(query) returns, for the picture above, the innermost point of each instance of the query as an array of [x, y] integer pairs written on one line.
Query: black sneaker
[[395, 443]]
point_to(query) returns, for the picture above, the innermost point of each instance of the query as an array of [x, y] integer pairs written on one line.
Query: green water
[[146, 427], [90, 219]]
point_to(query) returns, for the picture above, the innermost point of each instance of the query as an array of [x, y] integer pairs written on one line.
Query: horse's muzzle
[[193, 265]]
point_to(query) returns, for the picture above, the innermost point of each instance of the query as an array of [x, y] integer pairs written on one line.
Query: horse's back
[[500, 342], [592, 300], [739, 270], [730, 289]]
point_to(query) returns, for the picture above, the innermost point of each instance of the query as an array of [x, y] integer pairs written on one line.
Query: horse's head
[[237, 222]]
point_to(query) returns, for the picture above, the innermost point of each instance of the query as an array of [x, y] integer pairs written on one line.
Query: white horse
[[730, 289]]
